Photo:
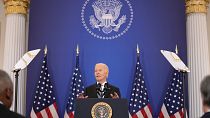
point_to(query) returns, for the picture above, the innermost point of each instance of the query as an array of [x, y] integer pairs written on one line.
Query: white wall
[[2, 32]]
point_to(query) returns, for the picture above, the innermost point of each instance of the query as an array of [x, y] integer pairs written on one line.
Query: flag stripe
[[172, 116], [39, 115], [66, 115], [138, 115], [71, 115], [129, 115], [160, 115], [44, 113], [55, 106], [177, 115], [53, 110], [148, 112], [164, 112], [48, 112], [33, 115], [143, 113], [181, 112], [150, 108]]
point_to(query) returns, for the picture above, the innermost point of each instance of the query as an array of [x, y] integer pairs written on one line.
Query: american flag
[[76, 88], [44, 104], [173, 106], [139, 106]]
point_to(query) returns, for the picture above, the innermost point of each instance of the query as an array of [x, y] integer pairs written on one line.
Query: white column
[[198, 55], [2, 32], [15, 45]]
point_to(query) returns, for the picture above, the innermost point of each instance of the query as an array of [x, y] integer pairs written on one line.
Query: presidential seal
[[107, 19], [101, 110]]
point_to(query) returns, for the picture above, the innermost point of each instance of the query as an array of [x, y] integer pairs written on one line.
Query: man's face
[[11, 96], [100, 73], [8, 97]]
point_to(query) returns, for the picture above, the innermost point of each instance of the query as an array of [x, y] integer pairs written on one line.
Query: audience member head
[[6, 89], [205, 93]]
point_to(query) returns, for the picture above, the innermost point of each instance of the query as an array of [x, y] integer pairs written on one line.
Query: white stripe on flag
[[66, 115], [129, 115], [139, 114], [186, 116], [53, 111], [164, 111], [33, 114], [177, 115], [146, 109], [44, 113]]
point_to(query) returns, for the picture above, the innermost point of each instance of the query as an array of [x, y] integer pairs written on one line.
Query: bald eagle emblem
[[107, 13]]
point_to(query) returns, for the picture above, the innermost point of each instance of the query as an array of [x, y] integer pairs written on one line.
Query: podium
[[101, 108]]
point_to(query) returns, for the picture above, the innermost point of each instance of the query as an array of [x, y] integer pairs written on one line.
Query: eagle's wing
[[98, 13], [116, 12]]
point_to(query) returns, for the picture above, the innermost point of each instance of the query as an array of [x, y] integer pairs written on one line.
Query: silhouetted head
[[205, 92], [6, 89]]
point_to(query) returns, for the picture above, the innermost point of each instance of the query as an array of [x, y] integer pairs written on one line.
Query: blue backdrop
[[156, 25]]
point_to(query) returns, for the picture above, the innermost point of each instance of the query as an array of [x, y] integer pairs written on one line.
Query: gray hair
[[5, 81], [105, 66], [205, 90]]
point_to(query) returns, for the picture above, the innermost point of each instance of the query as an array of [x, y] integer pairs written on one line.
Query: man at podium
[[101, 89], [97, 107]]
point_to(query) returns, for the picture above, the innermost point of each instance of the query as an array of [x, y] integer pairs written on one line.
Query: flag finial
[[77, 49], [176, 49], [137, 49], [45, 50]]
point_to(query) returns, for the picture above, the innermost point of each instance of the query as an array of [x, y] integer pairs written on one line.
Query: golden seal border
[[101, 104]]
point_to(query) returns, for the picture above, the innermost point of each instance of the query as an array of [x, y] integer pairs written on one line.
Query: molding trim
[[16, 6], [196, 6]]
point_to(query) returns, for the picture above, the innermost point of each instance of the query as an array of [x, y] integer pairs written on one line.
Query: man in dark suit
[[6, 96], [205, 94], [101, 89]]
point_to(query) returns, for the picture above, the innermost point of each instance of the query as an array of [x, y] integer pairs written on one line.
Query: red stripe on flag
[[39, 115], [48, 112], [71, 115], [134, 116], [181, 113], [150, 108], [161, 115], [144, 113], [55, 105], [172, 116]]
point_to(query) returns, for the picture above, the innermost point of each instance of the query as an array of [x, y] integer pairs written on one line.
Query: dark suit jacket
[[6, 113], [206, 115], [91, 91]]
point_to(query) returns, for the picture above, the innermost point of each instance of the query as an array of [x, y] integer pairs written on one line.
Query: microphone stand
[[184, 104], [16, 72]]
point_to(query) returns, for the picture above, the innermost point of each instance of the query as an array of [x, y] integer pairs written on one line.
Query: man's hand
[[81, 95], [115, 96]]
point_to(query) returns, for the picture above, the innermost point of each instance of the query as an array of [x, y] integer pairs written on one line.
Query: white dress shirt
[[1, 102], [102, 85]]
